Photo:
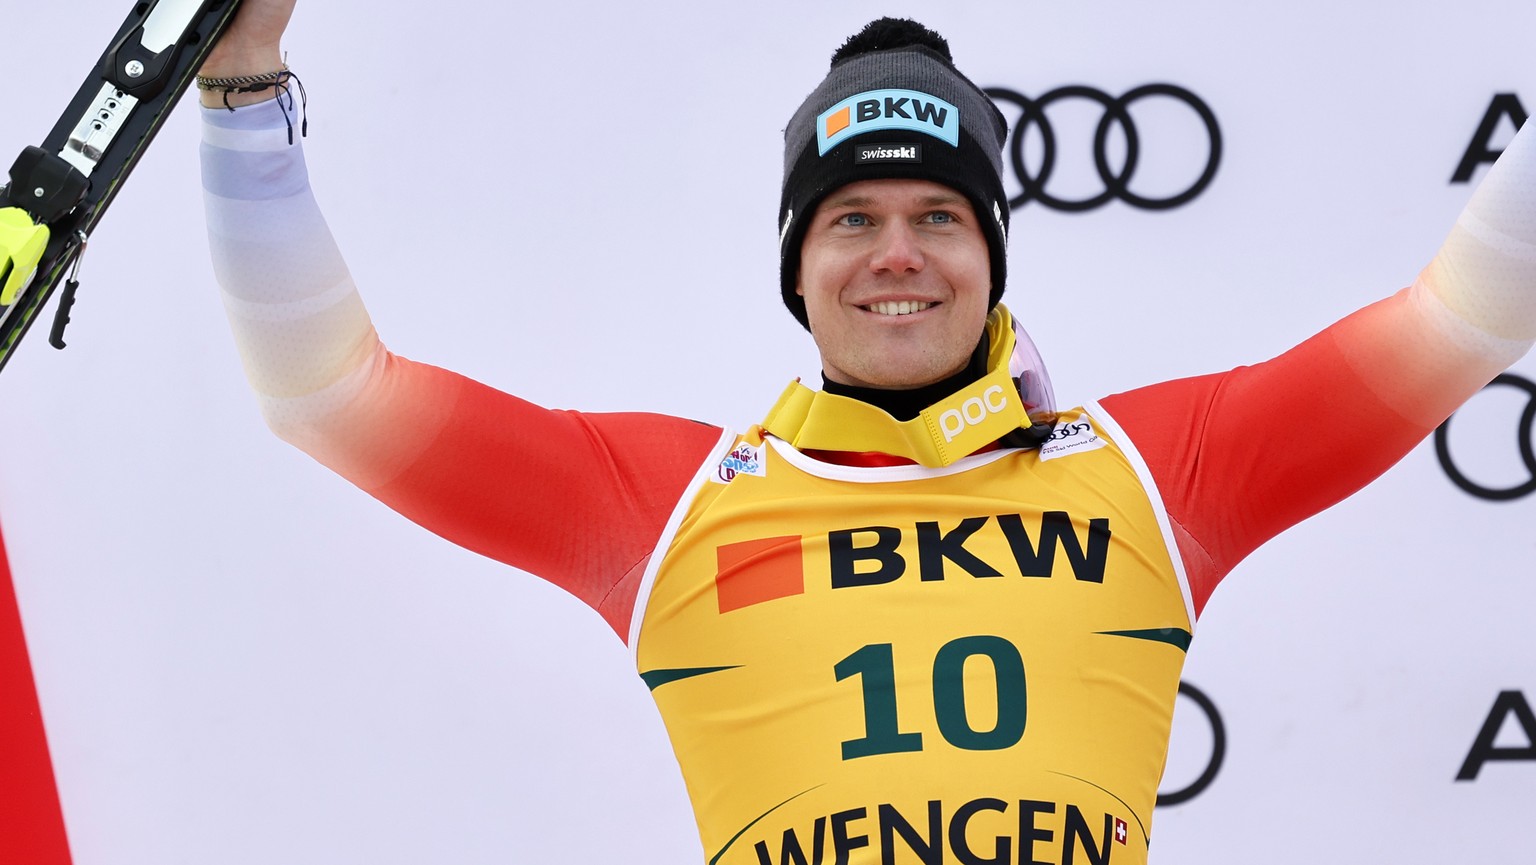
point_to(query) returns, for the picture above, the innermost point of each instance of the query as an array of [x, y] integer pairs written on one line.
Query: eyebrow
[[858, 201]]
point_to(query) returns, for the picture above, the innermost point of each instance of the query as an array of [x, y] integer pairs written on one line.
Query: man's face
[[896, 279]]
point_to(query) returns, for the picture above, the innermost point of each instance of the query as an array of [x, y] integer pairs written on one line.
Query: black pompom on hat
[[892, 106]]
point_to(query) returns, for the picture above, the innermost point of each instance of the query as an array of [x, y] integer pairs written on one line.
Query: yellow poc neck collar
[[960, 424]]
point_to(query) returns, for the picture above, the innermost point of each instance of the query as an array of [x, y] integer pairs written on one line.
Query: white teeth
[[898, 307]]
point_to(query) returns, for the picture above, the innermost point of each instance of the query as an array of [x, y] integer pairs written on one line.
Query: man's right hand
[[251, 46]]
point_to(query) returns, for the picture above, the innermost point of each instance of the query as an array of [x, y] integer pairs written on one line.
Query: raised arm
[[1241, 456], [576, 498]]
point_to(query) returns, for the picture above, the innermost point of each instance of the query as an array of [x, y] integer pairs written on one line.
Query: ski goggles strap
[[960, 424]]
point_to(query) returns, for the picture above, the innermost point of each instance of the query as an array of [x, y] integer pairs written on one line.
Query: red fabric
[[31, 821], [576, 498], [874, 459], [581, 499], [1241, 456]]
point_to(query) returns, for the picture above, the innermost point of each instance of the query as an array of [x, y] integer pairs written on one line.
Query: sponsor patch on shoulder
[[1072, 437], [744, 459]]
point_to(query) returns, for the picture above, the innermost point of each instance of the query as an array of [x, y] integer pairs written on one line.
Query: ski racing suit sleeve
[[1240, 456], [578, 499]]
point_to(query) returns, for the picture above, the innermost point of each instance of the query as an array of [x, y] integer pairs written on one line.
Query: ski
[[59, 191]]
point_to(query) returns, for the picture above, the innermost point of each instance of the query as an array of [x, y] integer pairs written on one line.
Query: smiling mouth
[[897, 307]]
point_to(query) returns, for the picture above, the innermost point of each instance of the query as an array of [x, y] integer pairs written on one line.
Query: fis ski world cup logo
[[744, 459], [1071, 437], [876, 110]]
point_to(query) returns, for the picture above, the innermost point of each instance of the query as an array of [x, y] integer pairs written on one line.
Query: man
[[919, 615]]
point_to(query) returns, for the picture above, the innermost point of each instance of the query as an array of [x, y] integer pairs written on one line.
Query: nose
[[897, 249]]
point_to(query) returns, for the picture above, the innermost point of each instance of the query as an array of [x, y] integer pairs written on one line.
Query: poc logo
[[972, 412], [875, 110]]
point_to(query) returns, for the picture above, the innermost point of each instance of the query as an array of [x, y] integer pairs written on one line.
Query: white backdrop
[[242, 659]]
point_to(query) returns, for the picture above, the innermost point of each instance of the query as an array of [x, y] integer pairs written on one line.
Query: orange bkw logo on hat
[[839, 121]]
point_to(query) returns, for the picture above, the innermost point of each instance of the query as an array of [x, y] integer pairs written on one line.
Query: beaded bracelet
[[239, 83]]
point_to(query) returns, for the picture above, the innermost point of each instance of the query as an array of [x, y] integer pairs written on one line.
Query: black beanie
[[893, 106]]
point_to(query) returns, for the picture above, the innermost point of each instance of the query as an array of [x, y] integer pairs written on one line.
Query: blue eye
[[857, 220], [941, 217]]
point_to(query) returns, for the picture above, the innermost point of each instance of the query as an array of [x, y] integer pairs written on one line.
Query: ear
[[798, 289]]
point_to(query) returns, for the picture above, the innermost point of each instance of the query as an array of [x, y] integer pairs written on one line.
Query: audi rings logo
[[1523, 438], [1117, 159], [1179, 756]]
